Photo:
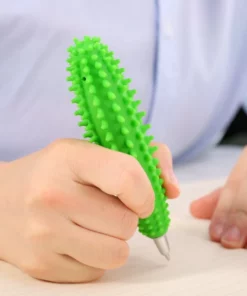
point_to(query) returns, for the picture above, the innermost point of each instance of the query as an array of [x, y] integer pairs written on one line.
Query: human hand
[[59, 218], [227, 208]]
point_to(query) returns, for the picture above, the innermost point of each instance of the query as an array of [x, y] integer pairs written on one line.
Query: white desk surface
[[215, 164], [197, 267]]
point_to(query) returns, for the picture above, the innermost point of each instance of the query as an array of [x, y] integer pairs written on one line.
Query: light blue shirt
[[187, 60]]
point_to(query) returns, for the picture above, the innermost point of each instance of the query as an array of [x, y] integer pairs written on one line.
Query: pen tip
[[163, 246]]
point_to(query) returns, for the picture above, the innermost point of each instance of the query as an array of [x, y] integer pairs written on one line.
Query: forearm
[[2, 208]]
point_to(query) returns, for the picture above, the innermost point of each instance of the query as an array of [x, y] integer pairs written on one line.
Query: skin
[[226, 207], [58, 205]]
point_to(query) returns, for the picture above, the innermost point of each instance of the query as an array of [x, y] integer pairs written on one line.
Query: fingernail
[[217, 231], [233, 234], [172, 178]]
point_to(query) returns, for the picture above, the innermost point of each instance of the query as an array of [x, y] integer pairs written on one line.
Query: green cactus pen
[[110, 117]]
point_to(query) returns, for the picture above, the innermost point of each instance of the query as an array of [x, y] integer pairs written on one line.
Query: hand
[[227, 208], [59, 218]]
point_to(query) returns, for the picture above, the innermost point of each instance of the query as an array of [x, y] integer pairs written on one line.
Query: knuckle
[[38, 232], [60, 149], [47, 196], [64, 150], [129, 222], [58, 144], [51, 198], [35, 268]]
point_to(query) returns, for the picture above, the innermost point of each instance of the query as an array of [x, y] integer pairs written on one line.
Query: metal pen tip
[[163, 246]]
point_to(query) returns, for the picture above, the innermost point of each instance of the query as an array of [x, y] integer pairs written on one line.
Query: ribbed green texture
[[109, 113]]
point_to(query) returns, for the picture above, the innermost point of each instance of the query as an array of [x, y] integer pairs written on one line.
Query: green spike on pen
[[109, 114]]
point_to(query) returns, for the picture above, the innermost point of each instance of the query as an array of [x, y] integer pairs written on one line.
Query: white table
[[198, 267], [215, 164]]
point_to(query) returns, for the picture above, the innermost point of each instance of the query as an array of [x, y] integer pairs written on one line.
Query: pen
[[109, 114]]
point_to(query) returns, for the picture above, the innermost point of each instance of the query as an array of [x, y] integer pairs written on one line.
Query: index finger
[[115, 173]]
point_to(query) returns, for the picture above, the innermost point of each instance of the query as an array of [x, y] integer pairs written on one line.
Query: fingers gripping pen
[[110, 117]]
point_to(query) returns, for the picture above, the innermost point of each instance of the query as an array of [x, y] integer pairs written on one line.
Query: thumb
[[164, 156], [203, 208]]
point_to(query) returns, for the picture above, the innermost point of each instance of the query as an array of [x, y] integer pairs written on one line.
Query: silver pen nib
[[163, 246]]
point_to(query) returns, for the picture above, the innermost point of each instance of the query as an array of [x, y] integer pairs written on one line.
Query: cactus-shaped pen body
[[111, 119]]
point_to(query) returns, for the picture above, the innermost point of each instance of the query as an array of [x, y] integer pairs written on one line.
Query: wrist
[[2, 207]]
